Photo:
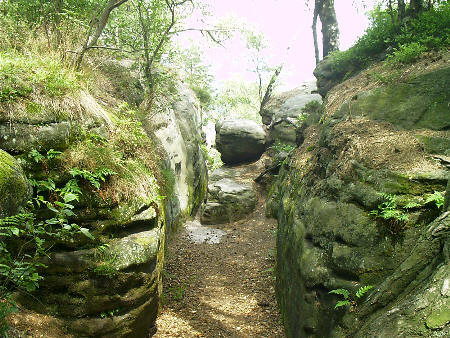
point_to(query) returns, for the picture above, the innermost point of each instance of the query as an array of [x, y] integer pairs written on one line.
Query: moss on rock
[[420, 103], [15, 189]]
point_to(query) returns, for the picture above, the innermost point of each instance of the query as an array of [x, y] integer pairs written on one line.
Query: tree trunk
[[317, 6], [330, 29], [269, 89], [97, 25], [416, 7], [401, 10]]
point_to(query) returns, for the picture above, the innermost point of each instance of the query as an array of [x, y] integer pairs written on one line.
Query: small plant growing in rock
[[437, 197], [348, 298], [388, 210], [279, 147]]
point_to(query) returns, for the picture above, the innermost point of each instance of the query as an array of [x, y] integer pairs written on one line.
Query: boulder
[[15, 190], [228, 199], [327, 77], [240, 141], [281, 113]]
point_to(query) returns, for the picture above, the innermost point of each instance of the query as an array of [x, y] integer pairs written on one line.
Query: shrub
[[407, 53], [406, 40]]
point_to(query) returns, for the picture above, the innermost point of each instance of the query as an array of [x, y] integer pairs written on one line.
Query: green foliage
[[106, 269], [93, 178], [437, 197], [177, 292], [311, 113], [407, 53], [26, 237], [21, 75], [343, 292], [282, 147], [212, 156], [407, 40], [236, 99], [109, 314], [388, 210], [363, 290], [348, 298]]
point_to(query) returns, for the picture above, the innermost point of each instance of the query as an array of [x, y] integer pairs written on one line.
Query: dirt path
[[224, 289]]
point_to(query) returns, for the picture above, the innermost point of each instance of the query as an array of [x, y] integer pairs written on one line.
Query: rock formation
[[229, 197], [110, 287], [281, 113], [360, 204], [240, 141]]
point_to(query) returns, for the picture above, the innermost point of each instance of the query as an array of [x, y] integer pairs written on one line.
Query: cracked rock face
[[240, 141], [228, 200]]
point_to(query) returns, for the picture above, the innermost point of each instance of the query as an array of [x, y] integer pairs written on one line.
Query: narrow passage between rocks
[[222, 285]]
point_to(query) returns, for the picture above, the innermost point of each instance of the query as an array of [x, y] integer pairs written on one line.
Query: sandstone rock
[[228, 200], [281, 112], [123, 276], [327, 238], [240, 141], [178, 131], [20, 138], [326, 76], [15, 190]]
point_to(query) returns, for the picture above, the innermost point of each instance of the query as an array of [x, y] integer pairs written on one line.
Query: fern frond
[[343, 292], [363, 290], [342, 303]]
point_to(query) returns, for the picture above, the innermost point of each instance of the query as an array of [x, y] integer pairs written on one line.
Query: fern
[[412, 205], [345, 293], [92, 177], [436, 197], [342, 303], [363, 290], [348, 298], [11, 226]]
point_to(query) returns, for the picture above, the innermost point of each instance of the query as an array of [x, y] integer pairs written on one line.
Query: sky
[[286, 25]]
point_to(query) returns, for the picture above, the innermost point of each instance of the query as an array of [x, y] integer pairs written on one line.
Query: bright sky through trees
[[284, 23]]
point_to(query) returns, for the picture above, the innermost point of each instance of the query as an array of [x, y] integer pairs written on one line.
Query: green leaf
[[363, 290], [342, 303], [86, 232], [69, 197], [343, 292], [15, 231]]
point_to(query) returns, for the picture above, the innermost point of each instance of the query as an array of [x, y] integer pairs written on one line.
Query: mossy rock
[[435, 145], [15, 190], [420, 103], [438, 319]]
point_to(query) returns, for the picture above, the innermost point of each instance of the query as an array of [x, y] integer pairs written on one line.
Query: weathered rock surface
[[326, 76], [177, 130], [281, 113], [112, 290], [327, 239], [229, 199], [15, 190], [50, 124], [240, 141]]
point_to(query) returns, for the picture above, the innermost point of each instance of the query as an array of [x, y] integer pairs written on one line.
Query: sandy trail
[[224, 289]]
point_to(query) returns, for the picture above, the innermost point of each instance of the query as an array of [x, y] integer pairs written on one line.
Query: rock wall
[[110, 287], [178, 132], [388, 143]]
